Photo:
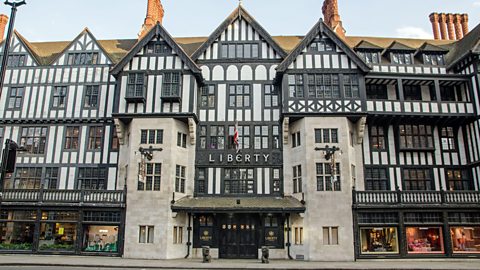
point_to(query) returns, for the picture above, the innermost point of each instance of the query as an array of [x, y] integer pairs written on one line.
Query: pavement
[[121, 263]]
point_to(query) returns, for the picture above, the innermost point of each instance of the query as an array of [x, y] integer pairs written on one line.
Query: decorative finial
[[240, 2]]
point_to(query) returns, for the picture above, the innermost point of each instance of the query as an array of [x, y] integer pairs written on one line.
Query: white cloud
[[476, 4], [413, 32]]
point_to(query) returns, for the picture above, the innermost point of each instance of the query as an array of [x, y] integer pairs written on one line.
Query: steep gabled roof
[[365, 45], [397, 46], [158, 30], [464, 47], [430, 48], [238, 13], [321, 27], [27, 45], [85, 31]]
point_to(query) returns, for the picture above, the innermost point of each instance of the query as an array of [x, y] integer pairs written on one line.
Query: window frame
[[297, 179], [378, 138], [416, 137], [208, 96], [17, 99], [88, 174], [59, 98], [375, 180], [72, 138], [172, 85], [95, 142], [242, 91], [427, 183], [154, 172], [180, 178], [149, 231], [42, 139], [134, 83], [323, 176], [89, 95]]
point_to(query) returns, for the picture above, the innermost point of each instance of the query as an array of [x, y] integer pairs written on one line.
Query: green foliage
[[57, 247], [23, 246]]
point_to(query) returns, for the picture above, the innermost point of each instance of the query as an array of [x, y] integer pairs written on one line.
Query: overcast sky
[[49, 20]]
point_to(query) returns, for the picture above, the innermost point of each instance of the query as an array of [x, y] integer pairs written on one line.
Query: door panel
[[238, 237]]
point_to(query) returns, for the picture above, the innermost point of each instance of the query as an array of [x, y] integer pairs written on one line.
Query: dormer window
[[370, 57], [434, 59], [157, 47], [17, 60], [321, 45], [401, 58]]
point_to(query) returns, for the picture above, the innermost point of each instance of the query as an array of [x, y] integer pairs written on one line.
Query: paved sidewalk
[[41, 260]]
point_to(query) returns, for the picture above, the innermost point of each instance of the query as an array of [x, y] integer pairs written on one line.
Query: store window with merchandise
[[421, 240], [58, 231], [465, 239], [17, 230], [382, 240], [100, 231]]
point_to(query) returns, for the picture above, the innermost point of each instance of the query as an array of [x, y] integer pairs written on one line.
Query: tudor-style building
[[347, 147]]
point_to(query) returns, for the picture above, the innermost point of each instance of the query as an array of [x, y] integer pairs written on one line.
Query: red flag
[[235, 136]]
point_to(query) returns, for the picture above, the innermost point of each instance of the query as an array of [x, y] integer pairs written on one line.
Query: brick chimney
[[155, 14], [450, 26], [457, 25], [3, 25], [465, 24], [457, 20], [331, 16], [434, 19], [443, 26]]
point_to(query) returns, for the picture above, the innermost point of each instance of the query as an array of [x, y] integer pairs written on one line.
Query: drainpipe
[[189, 229], [288, 237]]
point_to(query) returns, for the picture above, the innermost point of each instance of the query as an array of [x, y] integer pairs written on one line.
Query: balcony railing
[[104, 197], [430, 107], [390, 198]]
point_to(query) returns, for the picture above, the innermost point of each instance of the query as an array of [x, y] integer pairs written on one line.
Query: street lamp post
[[6, 47]]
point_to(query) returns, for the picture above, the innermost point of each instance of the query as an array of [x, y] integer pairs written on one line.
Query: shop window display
[[379, 240], [16, 235], [465, 239], [100, 238], [57, 236], [424, 240]]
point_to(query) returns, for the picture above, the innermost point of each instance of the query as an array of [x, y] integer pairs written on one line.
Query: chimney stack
[[455, 24], [457, 19], [155, 14], [331, 16], [465, 24], [434, 18], [3, 25], [450, 27]]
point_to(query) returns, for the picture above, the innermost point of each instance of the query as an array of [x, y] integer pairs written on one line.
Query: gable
[[322, 48], [81, 49], [20, 50], [240, 36], [169, 56]]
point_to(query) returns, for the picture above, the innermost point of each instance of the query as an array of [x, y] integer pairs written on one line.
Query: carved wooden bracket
[[361, 129], [192, 128], [120, 128], [286, 129]]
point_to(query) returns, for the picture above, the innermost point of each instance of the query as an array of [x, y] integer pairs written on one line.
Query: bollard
[[265, 254], [206, 254]]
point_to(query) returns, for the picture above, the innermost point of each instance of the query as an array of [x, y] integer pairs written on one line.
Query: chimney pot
[[443, 26], [457, 19], [3, 25], [465, 24], [434, 19], [450, 26]]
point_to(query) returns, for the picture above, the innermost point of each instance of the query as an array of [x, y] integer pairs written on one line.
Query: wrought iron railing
[[415, 197], [64, 196]]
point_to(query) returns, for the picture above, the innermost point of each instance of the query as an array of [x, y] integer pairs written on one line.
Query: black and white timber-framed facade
[[131, 150]]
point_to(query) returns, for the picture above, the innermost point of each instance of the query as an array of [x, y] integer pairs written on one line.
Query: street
[[66, 267]]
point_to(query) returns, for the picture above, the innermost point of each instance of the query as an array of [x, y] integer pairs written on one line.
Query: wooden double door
[[238, 236]]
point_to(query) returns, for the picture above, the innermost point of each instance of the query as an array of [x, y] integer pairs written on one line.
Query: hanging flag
[[235, 137]]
